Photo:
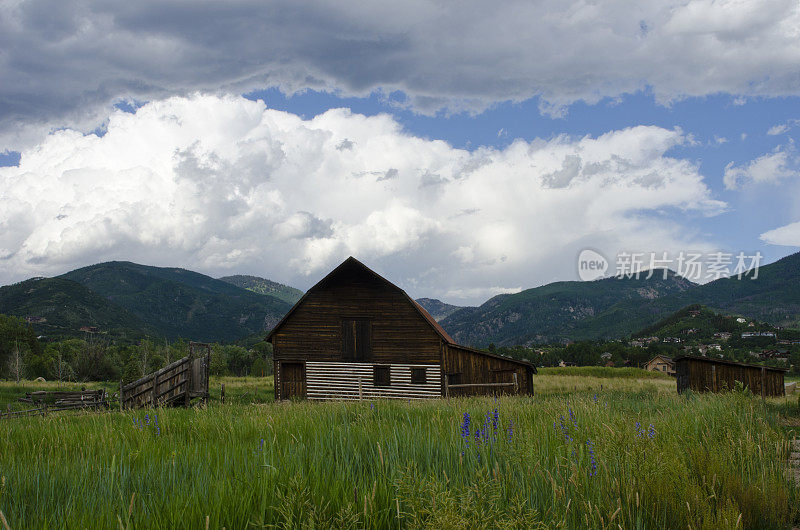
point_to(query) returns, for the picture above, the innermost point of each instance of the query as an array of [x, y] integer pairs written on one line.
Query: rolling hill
[[59, 308], [128, 300], [180, 303], [614, 307], [258, 285], [555, 312]]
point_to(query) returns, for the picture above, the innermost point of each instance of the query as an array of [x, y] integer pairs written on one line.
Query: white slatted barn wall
[[329, 380]]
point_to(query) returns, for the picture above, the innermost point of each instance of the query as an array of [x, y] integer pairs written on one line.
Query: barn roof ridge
[[728, 362], [351, 260], [425, 315]]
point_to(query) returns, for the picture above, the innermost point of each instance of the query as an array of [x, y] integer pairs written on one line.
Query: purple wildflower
[[593, 468]]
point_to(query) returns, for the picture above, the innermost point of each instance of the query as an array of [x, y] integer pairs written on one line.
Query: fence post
[[154, 398], [516, 383], [446, 387], [222, 393], [713, 378], [189, 379], [763, 380]]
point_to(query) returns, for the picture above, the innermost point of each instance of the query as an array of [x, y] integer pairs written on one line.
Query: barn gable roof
[[352, 264]]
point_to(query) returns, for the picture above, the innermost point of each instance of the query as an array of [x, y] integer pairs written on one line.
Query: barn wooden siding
[[466, 366], [398, 332], [703, 374]]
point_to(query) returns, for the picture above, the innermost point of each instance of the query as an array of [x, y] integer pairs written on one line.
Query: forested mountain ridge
[[181, 303], [260, 285], [617, 307]]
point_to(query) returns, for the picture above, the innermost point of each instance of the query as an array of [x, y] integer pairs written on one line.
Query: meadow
[[588, 450]]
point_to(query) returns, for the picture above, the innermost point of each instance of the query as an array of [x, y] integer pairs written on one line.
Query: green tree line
[[96, 358]]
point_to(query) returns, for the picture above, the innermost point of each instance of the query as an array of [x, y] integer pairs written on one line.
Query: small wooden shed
[[355, 335], [706, 374]]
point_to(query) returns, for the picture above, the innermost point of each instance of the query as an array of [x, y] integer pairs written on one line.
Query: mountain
[[181, 303], [773, 297], [438, 310], [264, 286], [558, 311], [60, 308], [614, 308]]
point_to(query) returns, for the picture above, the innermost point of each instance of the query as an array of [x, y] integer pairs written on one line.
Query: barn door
[[293, 381]]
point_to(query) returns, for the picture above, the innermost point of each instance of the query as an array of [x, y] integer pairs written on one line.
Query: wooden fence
[[174, 385], [52, 401]]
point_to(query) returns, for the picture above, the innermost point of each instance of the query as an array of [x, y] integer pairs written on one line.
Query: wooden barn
[[355, 335], [706, 374]]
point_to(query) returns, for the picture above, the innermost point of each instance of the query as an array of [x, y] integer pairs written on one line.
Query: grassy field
[[588, 450]]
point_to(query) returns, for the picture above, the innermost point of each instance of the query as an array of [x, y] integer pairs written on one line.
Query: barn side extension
[[174, 385], [355, 335], [703, 374]]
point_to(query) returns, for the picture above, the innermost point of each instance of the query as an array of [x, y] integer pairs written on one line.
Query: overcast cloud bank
[[65, 61]]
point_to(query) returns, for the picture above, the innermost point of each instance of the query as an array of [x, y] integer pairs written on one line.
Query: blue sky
[[479, 150]]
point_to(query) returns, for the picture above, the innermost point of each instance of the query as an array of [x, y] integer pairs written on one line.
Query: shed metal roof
[[727, 362]]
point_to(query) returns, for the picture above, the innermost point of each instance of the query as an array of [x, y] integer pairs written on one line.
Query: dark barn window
[[356, 339], [380, 376], [419, 376]]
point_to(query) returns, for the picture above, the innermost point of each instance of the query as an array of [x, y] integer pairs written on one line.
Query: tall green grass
[[711, 461], [605, 372]]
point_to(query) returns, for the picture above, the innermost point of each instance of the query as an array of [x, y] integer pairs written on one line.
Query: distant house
[[751, 334], [661, 363], [606, 356], [356, 335], [35, 320], [782, 355], [722, 335], [703, 374], [741, 320], [675, 340], [90, 329]]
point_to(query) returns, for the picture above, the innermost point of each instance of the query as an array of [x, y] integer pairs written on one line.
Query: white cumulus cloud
[[225, 184], [780, 164], [788, 235]]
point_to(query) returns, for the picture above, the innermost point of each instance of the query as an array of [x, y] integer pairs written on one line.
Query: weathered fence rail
[[64, 399], [174, 385], [512, 385], [52, 401]]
